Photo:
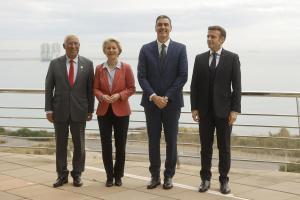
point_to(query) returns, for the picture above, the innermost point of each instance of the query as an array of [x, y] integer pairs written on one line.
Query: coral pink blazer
[[123, 84]]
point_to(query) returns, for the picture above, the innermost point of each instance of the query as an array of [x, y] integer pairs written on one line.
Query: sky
[[265, 33], [252, 25]]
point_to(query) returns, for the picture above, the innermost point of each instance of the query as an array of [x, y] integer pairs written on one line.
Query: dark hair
[[218, 28], [163, 17]]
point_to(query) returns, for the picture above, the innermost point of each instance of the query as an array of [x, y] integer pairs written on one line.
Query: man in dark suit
[[69, 103], [162, 73], [215, 102]]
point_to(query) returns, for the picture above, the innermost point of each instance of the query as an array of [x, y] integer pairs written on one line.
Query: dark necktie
[[163, 54], [71, 73], [214, 61]]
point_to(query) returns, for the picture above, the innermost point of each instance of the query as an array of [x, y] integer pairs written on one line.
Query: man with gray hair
[[69, 103]]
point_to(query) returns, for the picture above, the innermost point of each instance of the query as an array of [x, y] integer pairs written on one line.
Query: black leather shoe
[[205, 185], [77, 181], [224, 188], [60, 181], [155, 181], [118, 182], [109, 183], [168, 183]]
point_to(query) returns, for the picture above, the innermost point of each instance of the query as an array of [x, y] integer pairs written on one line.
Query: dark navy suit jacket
[[167, 80]]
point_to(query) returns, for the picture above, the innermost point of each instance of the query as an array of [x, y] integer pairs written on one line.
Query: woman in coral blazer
[[113, 85]]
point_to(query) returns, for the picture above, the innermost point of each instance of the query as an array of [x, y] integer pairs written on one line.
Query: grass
[[24, 132]]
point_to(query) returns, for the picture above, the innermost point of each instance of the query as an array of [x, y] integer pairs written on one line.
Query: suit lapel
[[221, 60], [79, 70], [63, 62], [104, 73], [207, 61], [155, 53]]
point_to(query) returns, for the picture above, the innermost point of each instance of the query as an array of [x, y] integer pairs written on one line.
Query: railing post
[[298, 113]]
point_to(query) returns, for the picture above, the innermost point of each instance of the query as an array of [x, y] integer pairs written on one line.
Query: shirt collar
[[75, 59], [118, 65], [166, 43], [218, 52]]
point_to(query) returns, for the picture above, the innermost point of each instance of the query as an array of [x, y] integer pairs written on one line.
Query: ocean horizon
[[28, 72]]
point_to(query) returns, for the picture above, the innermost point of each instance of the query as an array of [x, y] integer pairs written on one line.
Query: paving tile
[[140, 171], [7, 196], [35, 183], [21, 172], [194, 195], [32, 190], [51, 167], [129, 195], [188, 180], [160, 191], [294, 198], [290, 187], [42, 177], [263, 194], [59, 194], [240, 188], [258, 181], [4, 178], [96, 190], [9, 166], [13, 183], [34, 162], [163, 198]]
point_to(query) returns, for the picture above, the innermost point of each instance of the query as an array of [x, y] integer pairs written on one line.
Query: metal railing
[[193, 146]]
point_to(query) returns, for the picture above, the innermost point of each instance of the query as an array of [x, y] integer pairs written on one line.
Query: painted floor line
[[175, 184]]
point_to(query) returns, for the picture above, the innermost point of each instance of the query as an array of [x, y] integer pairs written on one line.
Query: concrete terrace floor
[[24, 176]]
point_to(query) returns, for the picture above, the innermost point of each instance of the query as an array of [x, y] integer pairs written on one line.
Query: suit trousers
[[120, 127], [78, 137], [168, 119], [207, 126]]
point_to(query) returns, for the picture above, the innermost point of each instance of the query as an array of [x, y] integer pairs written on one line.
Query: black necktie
[[214, 61], [163, 54]]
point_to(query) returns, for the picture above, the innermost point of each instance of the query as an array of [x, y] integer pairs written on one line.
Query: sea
[[260, 73]]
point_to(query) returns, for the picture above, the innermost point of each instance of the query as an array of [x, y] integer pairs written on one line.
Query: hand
[[106, 98], [89, 117], [195, 115], [232, 117], [50, 117], [159, 101], [115, 97]]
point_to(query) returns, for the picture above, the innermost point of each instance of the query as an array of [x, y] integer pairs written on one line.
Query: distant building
[[49, 51]]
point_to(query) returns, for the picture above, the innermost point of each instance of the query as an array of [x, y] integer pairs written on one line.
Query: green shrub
[[290, 167]]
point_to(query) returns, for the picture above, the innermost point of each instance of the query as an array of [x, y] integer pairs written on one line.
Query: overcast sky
[[252, 25], [265, 33]]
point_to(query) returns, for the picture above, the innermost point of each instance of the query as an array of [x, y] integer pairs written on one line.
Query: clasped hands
[[160, 102], [110, 99]]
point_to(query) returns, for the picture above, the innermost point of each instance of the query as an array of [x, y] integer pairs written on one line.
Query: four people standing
[[69, 103], [215, 102], [162, 73], [114, 84]]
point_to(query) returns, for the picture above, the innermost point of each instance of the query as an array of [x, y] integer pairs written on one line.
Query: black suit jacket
[[227, 84]]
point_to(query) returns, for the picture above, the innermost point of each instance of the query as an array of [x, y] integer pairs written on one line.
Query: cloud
[[249, 23]]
